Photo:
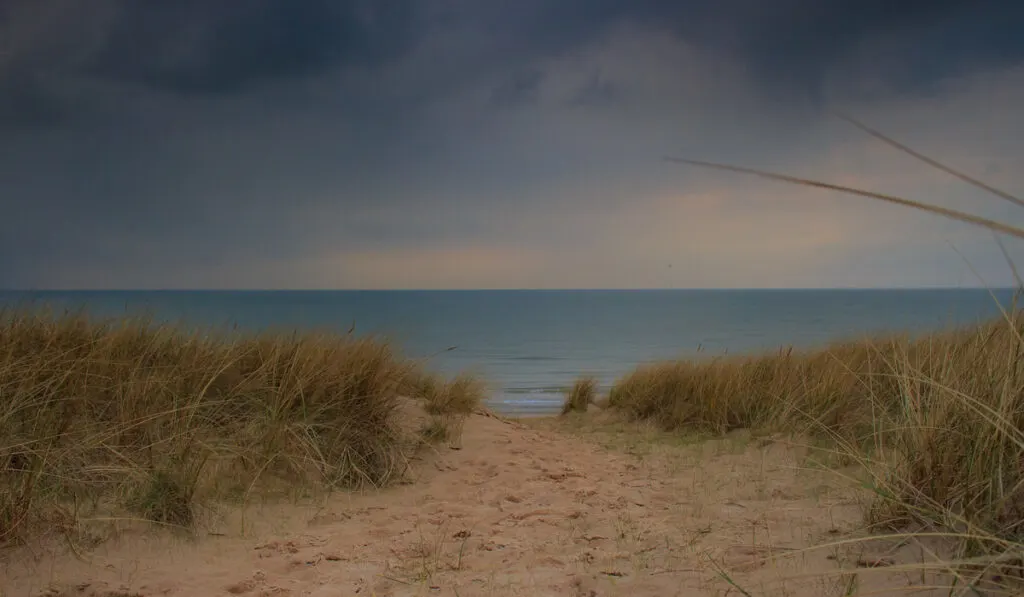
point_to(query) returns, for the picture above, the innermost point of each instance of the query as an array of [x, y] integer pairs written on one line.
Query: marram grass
[[149, 421], [944, 411], [937, 423], [579, 397]]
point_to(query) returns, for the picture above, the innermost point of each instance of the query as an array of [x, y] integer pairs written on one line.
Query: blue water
[[530, 344]]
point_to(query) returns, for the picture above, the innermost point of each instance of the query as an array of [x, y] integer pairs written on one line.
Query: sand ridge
[[516, 510]]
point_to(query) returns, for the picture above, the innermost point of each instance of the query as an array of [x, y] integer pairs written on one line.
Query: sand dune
[[519, 509]]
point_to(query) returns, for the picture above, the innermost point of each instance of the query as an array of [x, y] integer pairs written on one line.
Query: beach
[[486, 299], [528, 508], [145, 459]]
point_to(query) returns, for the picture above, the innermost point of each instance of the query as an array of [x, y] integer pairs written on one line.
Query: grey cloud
[[519, 88], [214, 45], [227, 46], [235, 133], [220, 46], [596, 91], [798, 42], [790, 45], [189, 48], [26, 102]]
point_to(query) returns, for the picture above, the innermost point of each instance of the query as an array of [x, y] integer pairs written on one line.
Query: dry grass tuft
[[127, 417], [447, 402], [843, 390], [942, 413], [460, 395], [579, 397]]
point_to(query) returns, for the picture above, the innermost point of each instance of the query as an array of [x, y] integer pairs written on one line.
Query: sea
[[529, 345]]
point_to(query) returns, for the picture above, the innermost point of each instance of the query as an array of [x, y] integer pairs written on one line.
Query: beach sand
[[519, 508]]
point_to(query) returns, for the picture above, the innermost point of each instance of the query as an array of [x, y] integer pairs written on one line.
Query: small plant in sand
[[448, 403], [460, 396], [580, 395]]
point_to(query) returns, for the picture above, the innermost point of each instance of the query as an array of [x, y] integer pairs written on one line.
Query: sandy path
[[516, 511]]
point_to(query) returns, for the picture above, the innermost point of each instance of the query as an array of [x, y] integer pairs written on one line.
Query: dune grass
[[139, 420], [845, 389], [460, 395], [579, 397], [944, 412], [447, 402], [937, 423]]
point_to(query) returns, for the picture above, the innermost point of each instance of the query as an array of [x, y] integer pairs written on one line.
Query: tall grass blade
[[942, 211]]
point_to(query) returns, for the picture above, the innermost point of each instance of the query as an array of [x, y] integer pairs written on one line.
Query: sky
[[356, 144]]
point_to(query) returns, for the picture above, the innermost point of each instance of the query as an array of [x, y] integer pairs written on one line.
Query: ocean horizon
[[530, 344]]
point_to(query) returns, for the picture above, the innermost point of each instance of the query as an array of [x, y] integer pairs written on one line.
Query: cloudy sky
[[496, 144]]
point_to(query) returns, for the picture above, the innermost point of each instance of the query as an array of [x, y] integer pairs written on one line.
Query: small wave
[[536, 390], [528, 412], [531, 399], [535, 358], [526, 407]]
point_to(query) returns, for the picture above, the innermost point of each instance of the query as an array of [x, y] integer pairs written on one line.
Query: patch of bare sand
[[518, 510]]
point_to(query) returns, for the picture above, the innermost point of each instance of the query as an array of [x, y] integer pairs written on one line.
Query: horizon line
[[518, 289]]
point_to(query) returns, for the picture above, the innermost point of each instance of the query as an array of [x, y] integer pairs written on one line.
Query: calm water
[[530, 344]]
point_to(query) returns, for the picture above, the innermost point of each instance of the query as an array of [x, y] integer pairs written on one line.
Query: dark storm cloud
[[27, 103], [224, 45], [197, 132], [787, 45], [186, 47], [907, 43], [210, 45], [795, 44], [219, 46]]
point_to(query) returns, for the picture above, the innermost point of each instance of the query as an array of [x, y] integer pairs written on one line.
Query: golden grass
[[945, 411], [580, 395], [147, 421], [937, 423], [843, 389], [460, 395], [447, 402]]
